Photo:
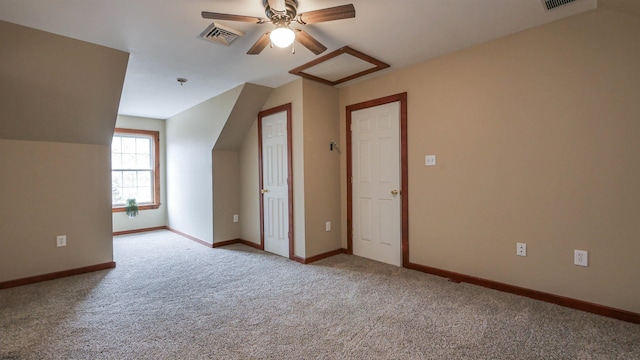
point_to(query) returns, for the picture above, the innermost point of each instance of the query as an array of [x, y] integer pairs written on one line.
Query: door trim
[[404, 194], [282, 108]]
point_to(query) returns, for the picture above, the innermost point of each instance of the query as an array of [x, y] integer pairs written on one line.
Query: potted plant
[[131, 209]]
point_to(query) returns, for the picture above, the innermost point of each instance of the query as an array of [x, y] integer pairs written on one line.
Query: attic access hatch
[[220, 34], [340, 66]]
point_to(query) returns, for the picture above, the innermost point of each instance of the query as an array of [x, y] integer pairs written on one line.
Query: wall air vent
[[552, 4], [220, 34]]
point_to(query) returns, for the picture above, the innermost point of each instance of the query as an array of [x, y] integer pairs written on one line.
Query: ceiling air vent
[[552, 4], [220, 34]]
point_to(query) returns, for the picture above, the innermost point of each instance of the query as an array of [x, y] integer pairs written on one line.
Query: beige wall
[[53, 189], [226, 195], [536, 137], [226, 162], [249, 186], [190, 139], [321, 168], [202, 170], [153, 217], [630, 7], [58, 103]]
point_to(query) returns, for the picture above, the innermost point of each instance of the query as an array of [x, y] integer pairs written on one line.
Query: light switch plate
[[430, 160]]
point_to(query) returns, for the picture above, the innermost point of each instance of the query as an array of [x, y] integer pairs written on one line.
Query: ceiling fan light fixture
[[282, 36], [281, 13]]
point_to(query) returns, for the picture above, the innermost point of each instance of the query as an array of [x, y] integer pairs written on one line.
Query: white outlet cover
[[327, 226], [235, 218], [430, 160], [581, 257], [521, 249], [61, 240]]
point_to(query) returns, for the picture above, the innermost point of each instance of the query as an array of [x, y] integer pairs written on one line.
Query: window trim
[[155, 136]]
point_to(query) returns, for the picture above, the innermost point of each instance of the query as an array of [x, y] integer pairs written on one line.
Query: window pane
[[116, 188], [116, 178], [116, 144], [143, 146], [116, 161], [129, 179], [144, 178], [143, 161], [116, 197], [128, 145], [130, 193], [129, 161]]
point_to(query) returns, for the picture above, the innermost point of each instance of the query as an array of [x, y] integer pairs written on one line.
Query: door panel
[[376, 169], [275, 189]]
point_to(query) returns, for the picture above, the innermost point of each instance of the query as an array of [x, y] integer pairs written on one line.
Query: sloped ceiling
[[57, 89], [248, 104]]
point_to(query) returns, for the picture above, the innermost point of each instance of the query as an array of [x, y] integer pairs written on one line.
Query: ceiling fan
[[281, 13]]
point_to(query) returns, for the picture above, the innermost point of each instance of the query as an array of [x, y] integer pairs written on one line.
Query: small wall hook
[[333, 145]]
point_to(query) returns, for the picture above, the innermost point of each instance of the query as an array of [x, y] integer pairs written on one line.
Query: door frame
[[282, 108], [404, 170]]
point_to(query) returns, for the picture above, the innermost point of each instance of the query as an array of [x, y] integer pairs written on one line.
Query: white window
[[134, 168]]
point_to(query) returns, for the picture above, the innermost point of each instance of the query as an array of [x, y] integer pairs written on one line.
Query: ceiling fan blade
[[310, 42], [328, 14], [260, 44], [219, 16], [278, 5]]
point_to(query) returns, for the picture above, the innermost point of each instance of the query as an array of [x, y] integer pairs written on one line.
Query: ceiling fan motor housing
[[291, 6]]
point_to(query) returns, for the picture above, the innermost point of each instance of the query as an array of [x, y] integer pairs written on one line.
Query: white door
[[376, 210], [275, 190]]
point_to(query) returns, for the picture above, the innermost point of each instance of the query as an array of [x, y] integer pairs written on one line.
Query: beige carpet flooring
[[170, 298]]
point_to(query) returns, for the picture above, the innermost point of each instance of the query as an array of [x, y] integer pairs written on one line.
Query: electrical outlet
[[235, 218], [327, 226], [521, 249], [61, 240], [581, 257], [430, 160]]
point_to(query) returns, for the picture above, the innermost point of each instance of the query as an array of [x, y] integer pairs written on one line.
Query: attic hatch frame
[[375, 65]]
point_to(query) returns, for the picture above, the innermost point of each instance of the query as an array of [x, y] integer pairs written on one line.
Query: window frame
[[155, 137]]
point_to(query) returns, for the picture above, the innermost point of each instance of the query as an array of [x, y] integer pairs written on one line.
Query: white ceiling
[[163, 38]]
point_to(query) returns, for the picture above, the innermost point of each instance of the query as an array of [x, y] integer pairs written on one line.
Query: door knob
[[395, 192], [264, 191]]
